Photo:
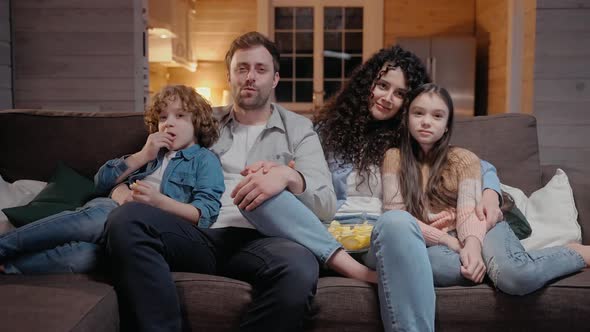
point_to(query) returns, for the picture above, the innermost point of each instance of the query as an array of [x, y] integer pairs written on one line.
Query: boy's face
[[178, 123], [252, 77]]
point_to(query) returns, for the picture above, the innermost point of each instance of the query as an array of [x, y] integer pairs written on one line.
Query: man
[[145, 243]]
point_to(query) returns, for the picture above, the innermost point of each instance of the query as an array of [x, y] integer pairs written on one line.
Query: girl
[[440, 186], [174, 171]]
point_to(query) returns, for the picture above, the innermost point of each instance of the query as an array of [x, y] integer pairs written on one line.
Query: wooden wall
[[491, 22], [210, 74], [528, 59], [78, 55], [423, 18], [218, 23], [562, 81], [5, 57]]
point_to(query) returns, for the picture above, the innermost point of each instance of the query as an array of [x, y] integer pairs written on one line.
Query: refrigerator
[[450, 62]]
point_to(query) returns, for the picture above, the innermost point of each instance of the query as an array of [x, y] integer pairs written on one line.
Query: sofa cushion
[[66, 190], [57, 303], [509, 142]]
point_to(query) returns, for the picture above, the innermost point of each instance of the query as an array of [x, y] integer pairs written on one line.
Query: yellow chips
[[352, 237]]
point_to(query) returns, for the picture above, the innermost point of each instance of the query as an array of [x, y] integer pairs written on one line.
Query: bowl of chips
[[353, 237]]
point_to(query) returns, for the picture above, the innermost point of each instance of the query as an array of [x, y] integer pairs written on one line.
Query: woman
[[440, 185]]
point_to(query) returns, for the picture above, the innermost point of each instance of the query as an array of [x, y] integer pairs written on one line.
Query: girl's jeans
[[512, 269]]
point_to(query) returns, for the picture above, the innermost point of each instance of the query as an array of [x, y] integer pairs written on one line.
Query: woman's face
[[388, 94]]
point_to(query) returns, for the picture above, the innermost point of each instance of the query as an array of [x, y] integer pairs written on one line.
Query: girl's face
[[178, 123], [388, 94], [428, 116]]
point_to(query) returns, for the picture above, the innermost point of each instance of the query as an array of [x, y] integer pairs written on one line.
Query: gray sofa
[[32, 141]]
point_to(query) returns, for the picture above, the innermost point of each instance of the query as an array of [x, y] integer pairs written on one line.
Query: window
[[321, 42]]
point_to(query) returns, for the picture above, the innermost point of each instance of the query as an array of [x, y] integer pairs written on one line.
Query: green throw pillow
[[66, 190], [517, 221]]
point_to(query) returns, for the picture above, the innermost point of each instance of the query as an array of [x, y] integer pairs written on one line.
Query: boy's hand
[[143, 192], [154, 143], [121, 194], [473, 267]]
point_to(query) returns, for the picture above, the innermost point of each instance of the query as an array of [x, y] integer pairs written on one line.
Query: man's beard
[[254, 102]]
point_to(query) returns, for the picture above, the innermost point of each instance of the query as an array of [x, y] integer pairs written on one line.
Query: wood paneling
[[562, 81], [209, 74], [528, 58], [218, 23], [422, 18], [74, 53], [5, 57], [492, 36]]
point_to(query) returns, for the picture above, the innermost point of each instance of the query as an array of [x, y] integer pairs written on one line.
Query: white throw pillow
[[551, 213], [18, 193]]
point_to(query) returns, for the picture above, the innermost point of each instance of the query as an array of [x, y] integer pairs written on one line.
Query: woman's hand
[[488, 209], [145, 193], [451, 242], [473, 267]]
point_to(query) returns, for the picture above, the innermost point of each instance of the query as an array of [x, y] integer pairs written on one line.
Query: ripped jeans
[[511, 268]]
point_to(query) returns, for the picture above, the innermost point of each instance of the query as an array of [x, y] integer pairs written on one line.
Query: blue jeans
[[285, 216], [406, 291], [512, 269], [61, 243]]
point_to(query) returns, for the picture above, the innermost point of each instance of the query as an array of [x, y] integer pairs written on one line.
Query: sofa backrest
[[33, 141], [509, 142]]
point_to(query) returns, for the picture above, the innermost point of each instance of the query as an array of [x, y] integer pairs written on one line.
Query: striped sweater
[[461, 175]]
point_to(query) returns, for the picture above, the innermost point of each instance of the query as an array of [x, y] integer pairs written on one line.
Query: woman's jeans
[[66, 242], [398, 253], [511, 268]]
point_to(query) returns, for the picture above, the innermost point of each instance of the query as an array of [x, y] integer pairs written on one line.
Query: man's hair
[[249, 40], [206, 126]]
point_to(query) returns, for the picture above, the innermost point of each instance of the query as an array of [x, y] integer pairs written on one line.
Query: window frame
[[372, 37]]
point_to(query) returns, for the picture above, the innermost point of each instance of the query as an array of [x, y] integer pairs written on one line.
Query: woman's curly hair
[[345, 125], [206, 126]]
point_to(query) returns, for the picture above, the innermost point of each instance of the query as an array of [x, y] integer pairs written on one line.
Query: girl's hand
[[154, 143], [473, 267], [143, 192], [451, 242]]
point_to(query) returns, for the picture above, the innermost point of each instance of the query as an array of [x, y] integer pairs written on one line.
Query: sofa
[[33, 141]]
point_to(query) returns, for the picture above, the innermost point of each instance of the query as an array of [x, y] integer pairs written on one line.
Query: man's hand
[[264, 165], [257, 187], [473, 267], [121, 194], [145, 193], [488, 210], [451, 242]]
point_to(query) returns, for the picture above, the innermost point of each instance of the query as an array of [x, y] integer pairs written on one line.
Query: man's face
[[252, 78]]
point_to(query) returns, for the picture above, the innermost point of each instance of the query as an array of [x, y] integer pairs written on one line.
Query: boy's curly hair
[[345, 125], [206, 126]]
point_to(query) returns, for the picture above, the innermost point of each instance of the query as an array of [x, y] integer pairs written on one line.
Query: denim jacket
[[194, 176], [340, 175]]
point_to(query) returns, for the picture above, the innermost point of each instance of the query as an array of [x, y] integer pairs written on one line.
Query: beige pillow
[[551, 213]]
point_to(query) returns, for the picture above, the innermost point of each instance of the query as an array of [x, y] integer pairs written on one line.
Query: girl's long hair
[[435, 195], [345, 125]]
